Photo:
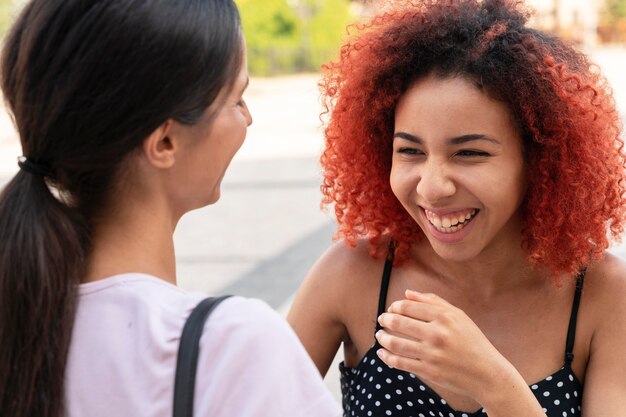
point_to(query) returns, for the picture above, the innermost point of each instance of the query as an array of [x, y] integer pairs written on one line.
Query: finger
[[417, 310], [398, 344], [427, 298], [402, 324], [400, 362]]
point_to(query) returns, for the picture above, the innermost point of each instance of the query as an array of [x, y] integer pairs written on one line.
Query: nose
[[435, 182], [247, 114]]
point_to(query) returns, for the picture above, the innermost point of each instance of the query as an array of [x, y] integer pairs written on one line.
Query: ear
[[159, 149]]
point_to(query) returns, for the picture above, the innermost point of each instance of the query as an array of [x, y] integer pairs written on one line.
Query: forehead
[[451, 106]]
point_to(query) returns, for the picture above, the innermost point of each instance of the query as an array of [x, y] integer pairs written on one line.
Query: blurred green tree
[[328, 29], [612, 25], [286, 36], [273, 33], [7, 11], [615, 10]]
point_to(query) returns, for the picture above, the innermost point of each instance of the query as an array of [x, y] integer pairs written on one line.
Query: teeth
[[447, 224]]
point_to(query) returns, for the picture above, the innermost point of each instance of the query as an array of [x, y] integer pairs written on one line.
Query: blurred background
[[267, 230], [298, 35]]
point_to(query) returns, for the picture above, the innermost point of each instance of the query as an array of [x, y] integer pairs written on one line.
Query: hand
[[439, 343]]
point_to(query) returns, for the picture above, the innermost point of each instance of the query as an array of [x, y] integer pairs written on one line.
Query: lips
[[451, 222]]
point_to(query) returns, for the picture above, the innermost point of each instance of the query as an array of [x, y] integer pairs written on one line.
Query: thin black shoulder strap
[[571, 329], [185, 380], [384, 285]]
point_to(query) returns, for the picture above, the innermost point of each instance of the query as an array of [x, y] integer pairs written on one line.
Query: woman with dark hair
[[129, 113], [477, 174]]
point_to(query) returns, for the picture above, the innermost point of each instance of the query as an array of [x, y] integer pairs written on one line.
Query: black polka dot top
[[375, 389]]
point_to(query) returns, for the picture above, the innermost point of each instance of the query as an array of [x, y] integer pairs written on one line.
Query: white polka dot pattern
[[375, 389]]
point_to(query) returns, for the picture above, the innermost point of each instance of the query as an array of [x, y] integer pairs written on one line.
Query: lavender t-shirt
[[124, 346]]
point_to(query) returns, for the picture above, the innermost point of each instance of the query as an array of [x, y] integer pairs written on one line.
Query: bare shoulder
[[604, 305], [349, 280], [340, 281], [604, 299], [336, 288], [605, 282], [345, 266]]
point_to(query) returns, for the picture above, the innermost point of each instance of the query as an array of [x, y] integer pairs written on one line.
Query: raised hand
[[439, 343]]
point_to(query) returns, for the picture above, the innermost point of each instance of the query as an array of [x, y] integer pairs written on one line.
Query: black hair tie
[[32, 167]]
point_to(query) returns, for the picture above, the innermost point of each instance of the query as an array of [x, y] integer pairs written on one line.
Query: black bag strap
[[187, 361]]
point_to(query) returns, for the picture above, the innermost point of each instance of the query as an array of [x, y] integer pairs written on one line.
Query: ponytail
[[42, 250]]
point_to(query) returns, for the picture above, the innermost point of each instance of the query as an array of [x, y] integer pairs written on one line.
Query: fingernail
[[413, 292], [379, 352], [377, 335]]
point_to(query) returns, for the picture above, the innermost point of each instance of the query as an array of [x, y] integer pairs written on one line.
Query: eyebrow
[[453, 141]]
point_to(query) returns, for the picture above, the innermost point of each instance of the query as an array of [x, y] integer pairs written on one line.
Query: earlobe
[[159, 149]]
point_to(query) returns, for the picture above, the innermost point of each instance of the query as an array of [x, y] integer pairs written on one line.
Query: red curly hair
[[570, 127]]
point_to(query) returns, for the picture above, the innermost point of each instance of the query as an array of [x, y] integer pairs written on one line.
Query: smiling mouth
[[451, 223]]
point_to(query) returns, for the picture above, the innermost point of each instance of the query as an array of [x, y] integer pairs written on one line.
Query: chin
[[454, 253], [206, 201], [213, 199], [214, 195]]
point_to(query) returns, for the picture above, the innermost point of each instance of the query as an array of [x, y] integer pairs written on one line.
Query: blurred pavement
[[267, 230]]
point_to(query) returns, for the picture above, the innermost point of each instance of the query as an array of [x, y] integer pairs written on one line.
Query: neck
[[136, 238], [487, 275]]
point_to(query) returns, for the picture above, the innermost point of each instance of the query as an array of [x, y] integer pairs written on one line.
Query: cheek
[[237, 133], [397, 181], [517, 181], [504, 187]]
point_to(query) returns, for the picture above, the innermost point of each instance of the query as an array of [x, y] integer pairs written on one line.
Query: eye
[[409, 151], [468, 153], [241, 103]]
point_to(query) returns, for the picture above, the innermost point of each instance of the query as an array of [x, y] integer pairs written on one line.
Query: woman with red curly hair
[[476, 165]]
